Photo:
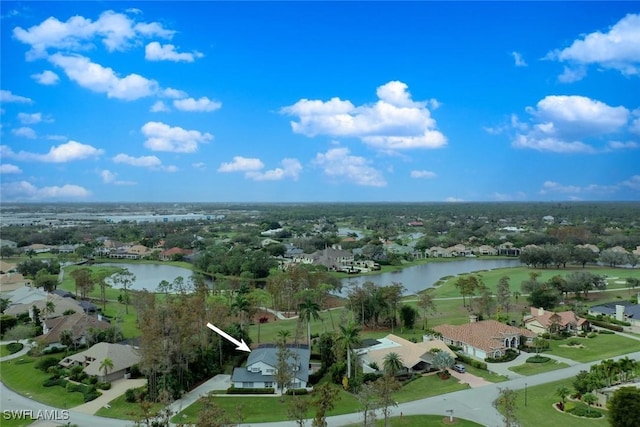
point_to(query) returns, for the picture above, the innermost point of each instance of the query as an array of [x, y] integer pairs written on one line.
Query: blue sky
[[319, 101]]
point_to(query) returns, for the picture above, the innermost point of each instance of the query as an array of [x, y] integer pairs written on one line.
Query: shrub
[[316, 376], [7, 322], [472, 362], [53, 350], [593, 334], [46, 362], [583, 411], [103, 386], [370, 376], [538, 359], [88, 397], [14, 347], [573, 342], [606, 332], [53, 381], [296, 391], [133, 395], [607, 325], [507, 357], [135, 371], [266, 390]]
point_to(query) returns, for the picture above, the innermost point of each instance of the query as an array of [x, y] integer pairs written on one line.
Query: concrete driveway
[[467, 378]]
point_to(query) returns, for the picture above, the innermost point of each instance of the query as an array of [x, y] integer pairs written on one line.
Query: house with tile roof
[[543, 321], [78, 323], [168, 254], [416, 357], [123, 358], [262, 367], [485, 338]]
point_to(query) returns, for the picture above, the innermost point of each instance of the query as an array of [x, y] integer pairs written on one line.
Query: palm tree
[[349, 337], [392, 363], [284, 335], [241, 306], [563, 392], [106, 365], [308, 310], [589, 399], [49, 308]]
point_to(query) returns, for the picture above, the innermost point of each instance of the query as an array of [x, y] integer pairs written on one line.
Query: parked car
[[459, 368]]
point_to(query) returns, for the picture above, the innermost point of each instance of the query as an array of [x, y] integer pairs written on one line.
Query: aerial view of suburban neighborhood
[[319, 214]]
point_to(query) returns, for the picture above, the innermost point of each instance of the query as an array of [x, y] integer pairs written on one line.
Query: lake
[[422, 276], [148, 276]]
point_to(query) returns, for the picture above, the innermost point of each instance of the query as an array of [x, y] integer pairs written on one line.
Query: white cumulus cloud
[[101, 79], [30, 119], [241, 164], [25, 132], [6, 168], [291, 168], [617, 48], [518, 59], [162, 137], [155, 51], [202, 104], [6, 96], [340, 166], [422, 174], [25, 191], [117, 31], [394, 122], [158, 107], [567, 124], [46, 78], [63, 153], [142, 161], [109, 177]]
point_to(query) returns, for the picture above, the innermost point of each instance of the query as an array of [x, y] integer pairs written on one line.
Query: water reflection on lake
[[149, 276], [422, 276]]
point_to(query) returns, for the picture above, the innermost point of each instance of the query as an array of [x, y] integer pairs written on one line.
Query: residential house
[[262, 367], [625, 311], [486, 250], [593, 248], [8, 243], [40, 301], [459, 250], [123, 357], [416, 357], [169, 254], [334, 258], [542, 321], [486, 338], [438, 252], [12, 281], [37, 248], [79, 324], [508, 249]]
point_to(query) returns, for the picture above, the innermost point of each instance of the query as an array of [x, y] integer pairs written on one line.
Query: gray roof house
[[261, 368], [620, 310], [123, 357]]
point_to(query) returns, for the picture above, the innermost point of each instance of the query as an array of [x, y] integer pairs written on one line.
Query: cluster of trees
[[548, 294], [486, 304], [605, 374], [239, 261], [176, 348], [560, 255], [375, 306]]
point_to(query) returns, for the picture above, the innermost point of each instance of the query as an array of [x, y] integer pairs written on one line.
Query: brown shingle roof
[[78, 323]]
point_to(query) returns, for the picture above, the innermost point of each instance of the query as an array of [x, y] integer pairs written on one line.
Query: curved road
[[473, 404]]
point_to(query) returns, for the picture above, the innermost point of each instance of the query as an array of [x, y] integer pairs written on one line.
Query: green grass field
[[4, 350], [540, 412], [14, 422], [428, 386], [123, 410], [538, 368], [601, 347], [21, 376], [519, 274], [422, 421]]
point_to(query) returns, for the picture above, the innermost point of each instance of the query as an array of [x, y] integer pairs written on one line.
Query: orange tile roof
[[486, 335]]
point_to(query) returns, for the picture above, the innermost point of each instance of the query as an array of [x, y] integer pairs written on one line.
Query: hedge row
[[265, 390], [607, 325], [297, 391], [473, 362]]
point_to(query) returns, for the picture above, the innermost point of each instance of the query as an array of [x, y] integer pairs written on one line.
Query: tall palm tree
[[284, 335], [49, 308], [106, 365], [392, 363], [241, 306], [308, 310], [349, 337]]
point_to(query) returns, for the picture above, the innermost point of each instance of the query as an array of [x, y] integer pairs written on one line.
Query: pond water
[[148, 276], [419, 277]]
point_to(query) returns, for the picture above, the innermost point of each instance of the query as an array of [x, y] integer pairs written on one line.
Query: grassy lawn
[[540, 412], [538, 368], [519, 274], [4, 350], [21, 376], [123, 410], [601, 347], [423, 420], [264, 409], [428, 386], [14, 422], [487, 375]]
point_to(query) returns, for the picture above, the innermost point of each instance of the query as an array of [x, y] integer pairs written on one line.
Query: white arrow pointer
[[242, 346]]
